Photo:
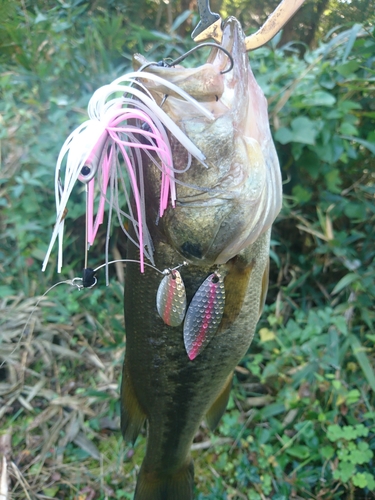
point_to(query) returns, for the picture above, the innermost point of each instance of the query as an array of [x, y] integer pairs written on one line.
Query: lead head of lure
[[89, 279], [94, 158]]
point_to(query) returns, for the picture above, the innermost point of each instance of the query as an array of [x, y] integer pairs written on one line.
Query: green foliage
[[301, 420], [350, 453], [313, 368]]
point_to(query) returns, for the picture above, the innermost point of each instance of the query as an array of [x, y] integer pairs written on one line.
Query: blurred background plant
[[301, 420]]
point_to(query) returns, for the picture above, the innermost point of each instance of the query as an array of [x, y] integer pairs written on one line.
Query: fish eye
[[85, 170]]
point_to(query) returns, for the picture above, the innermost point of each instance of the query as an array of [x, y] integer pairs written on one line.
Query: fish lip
[[231, 25], [232, 36]]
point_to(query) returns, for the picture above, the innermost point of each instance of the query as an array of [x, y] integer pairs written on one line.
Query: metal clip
[[210, 23]]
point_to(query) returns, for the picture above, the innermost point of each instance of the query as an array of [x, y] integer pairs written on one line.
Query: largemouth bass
[[221, 224]]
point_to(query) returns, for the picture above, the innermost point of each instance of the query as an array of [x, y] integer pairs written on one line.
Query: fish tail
[[178, 485]]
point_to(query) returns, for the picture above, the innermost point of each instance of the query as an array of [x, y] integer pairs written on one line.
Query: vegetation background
[[301, 420]]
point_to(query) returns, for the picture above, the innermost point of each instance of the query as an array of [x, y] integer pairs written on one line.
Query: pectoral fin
[[216, 411], [132, 415]]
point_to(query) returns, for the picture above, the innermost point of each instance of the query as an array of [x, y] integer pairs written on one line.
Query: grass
[[59, 411]]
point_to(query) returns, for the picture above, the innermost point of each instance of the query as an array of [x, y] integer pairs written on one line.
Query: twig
[[22, 481], [4, 480], [207, 444]]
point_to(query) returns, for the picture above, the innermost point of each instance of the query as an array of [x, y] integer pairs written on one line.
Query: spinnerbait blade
[[204, 315], [171, 299]]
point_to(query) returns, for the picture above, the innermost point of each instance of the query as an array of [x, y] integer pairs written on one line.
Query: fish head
[[226, 204]]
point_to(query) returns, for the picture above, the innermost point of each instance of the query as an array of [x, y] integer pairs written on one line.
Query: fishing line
[[146, 264], [67, 282], [87, 281], [207, 302], [87, 224]]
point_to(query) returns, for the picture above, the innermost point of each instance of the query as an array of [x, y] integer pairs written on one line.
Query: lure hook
[[169, 64], [205, 44]]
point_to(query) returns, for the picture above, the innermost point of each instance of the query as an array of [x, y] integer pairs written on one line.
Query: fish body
[[221, 224]]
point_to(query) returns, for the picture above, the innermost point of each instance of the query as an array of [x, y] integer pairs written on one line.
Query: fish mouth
[[205, 83], [233, 41]]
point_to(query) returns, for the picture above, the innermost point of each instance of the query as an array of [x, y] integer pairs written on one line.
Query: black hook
[[205, 44]]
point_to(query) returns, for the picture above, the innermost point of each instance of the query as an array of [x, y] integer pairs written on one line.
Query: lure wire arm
[[89, 280]]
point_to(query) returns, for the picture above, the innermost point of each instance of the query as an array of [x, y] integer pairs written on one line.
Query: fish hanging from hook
[[119, 131]]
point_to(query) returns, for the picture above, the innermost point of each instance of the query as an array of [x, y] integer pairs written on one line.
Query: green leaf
[[353, 35], [344, 471], [304, 130], [369, 145], [363, 360], [180, 19], [334, 433], [6, 291], [40, 18], [283, 135], [352, 397], [348, 68], [61, 26], [319, 98], [344, 282], [272, 410], [301, 194], [355, 210], [346, 106], [359, 480], [51, 492], [333, 180], [275, 257], [348, 129], [299, 451], [370, 481], [364, 480], [327, 452], [361, 456]]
